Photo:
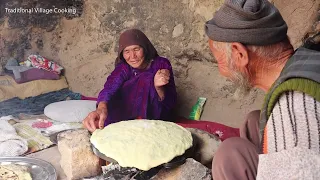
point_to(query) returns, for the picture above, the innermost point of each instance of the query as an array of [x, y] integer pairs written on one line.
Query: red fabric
[[223, 131], [88, 98], [42, 124]]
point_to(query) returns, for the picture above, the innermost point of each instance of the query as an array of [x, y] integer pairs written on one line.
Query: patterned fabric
[[36, 141], [35, 105], [130, 93], [43, 63]]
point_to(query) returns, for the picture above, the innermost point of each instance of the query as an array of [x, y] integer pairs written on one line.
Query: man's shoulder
[[297, 98]]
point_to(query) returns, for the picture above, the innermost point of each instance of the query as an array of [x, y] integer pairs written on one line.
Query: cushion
[[69, 111], [10, 89], [35, 74]]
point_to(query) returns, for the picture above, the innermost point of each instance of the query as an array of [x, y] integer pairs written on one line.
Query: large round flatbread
[[143, 144], [14, 172]]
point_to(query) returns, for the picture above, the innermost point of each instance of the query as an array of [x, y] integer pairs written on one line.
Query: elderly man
[[248, 38]]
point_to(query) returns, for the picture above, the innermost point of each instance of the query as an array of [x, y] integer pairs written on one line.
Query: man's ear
[[240, 56]]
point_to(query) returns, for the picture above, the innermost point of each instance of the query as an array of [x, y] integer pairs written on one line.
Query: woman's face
[[134, 56]]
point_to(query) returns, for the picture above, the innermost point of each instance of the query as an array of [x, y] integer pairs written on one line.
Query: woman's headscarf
[[136, 37]]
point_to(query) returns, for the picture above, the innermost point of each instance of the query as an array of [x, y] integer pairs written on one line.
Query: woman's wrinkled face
[[134, 56]]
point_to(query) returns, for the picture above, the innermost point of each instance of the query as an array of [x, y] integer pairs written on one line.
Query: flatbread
[[143, 144], [14, 172]]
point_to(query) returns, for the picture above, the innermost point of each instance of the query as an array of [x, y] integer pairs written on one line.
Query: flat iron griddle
[[175, 162]]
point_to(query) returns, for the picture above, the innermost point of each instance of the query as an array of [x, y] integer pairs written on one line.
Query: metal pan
[[39, 169]]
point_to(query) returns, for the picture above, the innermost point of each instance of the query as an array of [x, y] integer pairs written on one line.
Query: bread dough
[[14, 172], [143, 144]]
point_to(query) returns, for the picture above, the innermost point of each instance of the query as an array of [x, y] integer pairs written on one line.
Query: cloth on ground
[[37, 137], [7, 118], [223, 131], [10, 143], [35, 140], [10, 89], [35, 105], [69, 111]]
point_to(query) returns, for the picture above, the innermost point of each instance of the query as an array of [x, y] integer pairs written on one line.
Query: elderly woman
[[141, 85]]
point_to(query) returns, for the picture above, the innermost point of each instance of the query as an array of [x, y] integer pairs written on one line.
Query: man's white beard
[[241, 83]]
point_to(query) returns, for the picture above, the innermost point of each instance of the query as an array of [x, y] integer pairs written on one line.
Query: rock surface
[[207, 145], [77, 158], [190, 170]]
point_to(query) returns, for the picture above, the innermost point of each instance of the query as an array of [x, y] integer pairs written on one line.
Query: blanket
[[10, 89], [35, 105]]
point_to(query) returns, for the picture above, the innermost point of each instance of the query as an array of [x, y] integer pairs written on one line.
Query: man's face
[[230, 69], [222, 60]]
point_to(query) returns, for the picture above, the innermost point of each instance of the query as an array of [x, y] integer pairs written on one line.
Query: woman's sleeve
[[114, 81], [164, 108]]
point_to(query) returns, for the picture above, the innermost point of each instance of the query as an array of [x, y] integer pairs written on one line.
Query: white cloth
[[293, 164], [70, 111], [7, 118], [10, 143]]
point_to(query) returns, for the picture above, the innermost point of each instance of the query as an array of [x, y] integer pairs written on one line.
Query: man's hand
[[161, 78], [96, 118]]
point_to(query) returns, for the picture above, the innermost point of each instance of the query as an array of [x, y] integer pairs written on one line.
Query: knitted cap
[[251, 22]]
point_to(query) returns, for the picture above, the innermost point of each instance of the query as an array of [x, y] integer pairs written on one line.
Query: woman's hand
[[161, 78], [96, 118]]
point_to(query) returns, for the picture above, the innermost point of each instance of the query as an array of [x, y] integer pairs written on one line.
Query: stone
[[77, 159], [190, 170], [206, 146], [177, 30]]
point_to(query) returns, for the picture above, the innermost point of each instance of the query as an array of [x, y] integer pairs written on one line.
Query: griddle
[[136, 174]]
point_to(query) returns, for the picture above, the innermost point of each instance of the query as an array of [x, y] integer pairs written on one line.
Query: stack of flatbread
[[14, 172]]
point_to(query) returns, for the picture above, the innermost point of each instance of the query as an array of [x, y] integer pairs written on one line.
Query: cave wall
[[85, 43]]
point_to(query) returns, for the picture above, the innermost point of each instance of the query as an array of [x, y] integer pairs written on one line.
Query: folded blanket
[[10, 89], [10, 143]]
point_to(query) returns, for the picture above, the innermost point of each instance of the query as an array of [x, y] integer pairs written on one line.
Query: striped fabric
[[305, 64], [294, 122]]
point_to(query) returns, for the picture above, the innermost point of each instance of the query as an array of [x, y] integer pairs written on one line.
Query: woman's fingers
[[102, 118], [162, 77], [165, 80], [90, 121], [87, 124]]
